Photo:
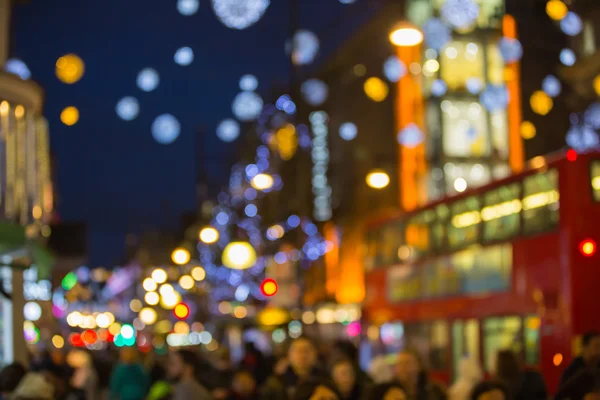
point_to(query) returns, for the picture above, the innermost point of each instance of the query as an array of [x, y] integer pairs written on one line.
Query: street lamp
[[180, 256], [239, 255], [406, 34], [378, 179], [209, 235], [262, 182]]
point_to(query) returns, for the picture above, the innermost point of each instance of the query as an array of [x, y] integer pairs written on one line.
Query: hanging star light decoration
[[460, 14], [248, 83], [437, 34], [247, 106], [571, 24], [510, 49], [187, 7], [494, 97], [148, 79], [394, 69], [314, 92], [591, 117], [184, 56], [348, 131], [567, 57], [239, 14]]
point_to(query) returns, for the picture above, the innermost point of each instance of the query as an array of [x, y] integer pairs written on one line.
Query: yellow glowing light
[[152, 298], [460, 185], [19, 111], [406, 35], [287, 142], [376, 89], [149, 285], [240, 312], [199, 274], [273, 316], [163, 327], [103, 321], [556, 9], [262, 182], [212, 346], [69, 68], [69, 116], [36, 212], [4, 107], [74, 319], [159, 275], [186, 282], [431, 66], [275, 232], [114, 329], [58, 341], [180, 256], [181, 327], [541, 103], [537, 162], [148, 316], [597, 85], [225, 307], [528, 130], [165, 289], [596, 183], [378, 179], [239, 255], [308, 317], [373, 333], [135, 305], [170, 300], [209, 235]]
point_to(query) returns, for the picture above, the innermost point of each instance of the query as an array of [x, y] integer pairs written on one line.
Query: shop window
[[501, 333], [501, 213], [463, 228], [465, 129], [465, 342], [595, 177], [540, 202], [474, 174], [531, 332], [460, 61]]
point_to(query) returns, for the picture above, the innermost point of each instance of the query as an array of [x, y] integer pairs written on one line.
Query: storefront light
[[406, 35]]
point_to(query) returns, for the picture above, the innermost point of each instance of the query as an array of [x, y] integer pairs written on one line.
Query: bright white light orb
[[248, 83], [411, 136], [239, 14], [567, 57], [551, 85], [247, 106], [571, 24], [315, 92], [510, 49], [348, 131], [128, 108], [394, 69], [32, 311], [494, 98], [184, 56], [437, 34], [305, 47], [17, 67], [187, 7], [228, 130], [165, 129], [148, 79], [460, 13], [460, 185]]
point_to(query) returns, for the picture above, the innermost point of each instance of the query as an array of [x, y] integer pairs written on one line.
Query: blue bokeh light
[[474, 85], [394, 69], [460, 13], [411, 136], [148, 79], [582, 138], [17, 67], [128, 108], [438, 88], [239, 14], [510, 49], [247, 106], [165, 129], [314, 91], [306, 47], [591, 117], [187, 7], [348, 131], [251, 210], [184, 56], [293, 221], [222, 218], [248, 83], [228, 130], [551, 85], [437, 34], [494, 97], [571, 24], [567, 57]]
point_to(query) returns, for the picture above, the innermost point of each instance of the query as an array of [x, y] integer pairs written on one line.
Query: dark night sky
[[111, 173]]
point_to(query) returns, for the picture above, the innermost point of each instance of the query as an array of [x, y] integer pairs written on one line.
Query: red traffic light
[[269, 287], [181, 311], [587, 247]]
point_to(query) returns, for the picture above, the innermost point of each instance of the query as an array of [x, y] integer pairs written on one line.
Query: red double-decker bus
[[510, 265]]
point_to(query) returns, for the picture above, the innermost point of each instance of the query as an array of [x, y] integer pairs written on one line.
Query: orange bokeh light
[[181, 311], [588, 247], [269, 287], [557, 359]]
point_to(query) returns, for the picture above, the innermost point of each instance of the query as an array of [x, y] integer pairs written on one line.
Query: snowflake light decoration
[[228, 130], [348, 131], [474, 85], [551, 85], [494, 98], [460, 13], [239, 14], [314, 91], [148, 79], [247, 106], [591, 117], [128, 108], [437, 34], [17, 67], [305, 47], [394, 69], [184, 56], [510, 49], [438, 88], [248, 83], [567, 57], [187, 7], [582, 138], [411, 136], [571, 24], [165, 129]]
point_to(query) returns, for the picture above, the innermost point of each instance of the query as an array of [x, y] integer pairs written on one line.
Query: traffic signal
[[269, 287]]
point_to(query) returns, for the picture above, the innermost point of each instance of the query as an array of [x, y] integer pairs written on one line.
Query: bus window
[[484, 270], [391, 239], [501, 213], [430, 340], [465, 342], [418, 232], [500, 333], [595, 176], [531, 331], [540, 202], [463, 228]]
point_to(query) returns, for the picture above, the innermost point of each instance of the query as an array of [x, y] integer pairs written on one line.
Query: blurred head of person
[[508, 368], [79, 359], [388, 391], [57, 376], [243, 384], [34, 386], [302, 356], [591, 347], [182, 365], [343, 374], [10, 377], [409, 368], [316, 390], [489, 391], [469, 370], [345, 349], [128, 355], [380, 370]]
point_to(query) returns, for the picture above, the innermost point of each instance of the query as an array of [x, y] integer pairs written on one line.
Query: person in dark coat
[[589, 358], [584, 385], [344, 349], [316, 389], [302, 356], [345, 378], [489, 390], [521, 384], [10, 377], [388, 391], [243, 386], [411, 374]]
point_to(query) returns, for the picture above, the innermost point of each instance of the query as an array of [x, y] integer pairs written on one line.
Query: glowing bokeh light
[[406, 35], [128, 108], [314, 92], [58, 342], [394, 69], [165, 129], [591, 117], [135, 305], [184, 56], [378, 179], [474, 85], [228, 130], [32, 311], [103, 321], [148, 316], [159, 275], [209, 235], [556, 9], [597, 85], [269, 287], [411, 136], [582, 138], [148, 79], [247, 106], [376, 89], [239, 255], [588, 247], [199, 274], [181, 311], [494, 97], [528, 130], [69, 116], [348, 131], [437, 34], [510, 49], [460, 185], [239, 14], [248, 83], [551, 85], [17, 67], [186, 282], [69, 68], [438, 88], [541, 103], [127, 331], [571, 24], [305, 47], [262, 182], [169, 300], [460, 13], [187, 7], [567, 57], [152, 298], [149, 285], [180, 256]]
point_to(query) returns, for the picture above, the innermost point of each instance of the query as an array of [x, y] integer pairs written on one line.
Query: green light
[[119, 341], [69, 281]]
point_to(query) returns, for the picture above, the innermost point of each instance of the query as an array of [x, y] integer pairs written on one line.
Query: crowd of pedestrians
[[303, 373]]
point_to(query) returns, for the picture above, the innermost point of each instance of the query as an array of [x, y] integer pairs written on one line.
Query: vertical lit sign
[[320, 158]]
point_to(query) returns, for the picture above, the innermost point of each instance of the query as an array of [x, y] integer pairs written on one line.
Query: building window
[[460, 61], [595, 176], [540, 202], [465, 129]]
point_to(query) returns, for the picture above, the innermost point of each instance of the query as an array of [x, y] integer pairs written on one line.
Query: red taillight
[[587, 247], [571, 155]]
